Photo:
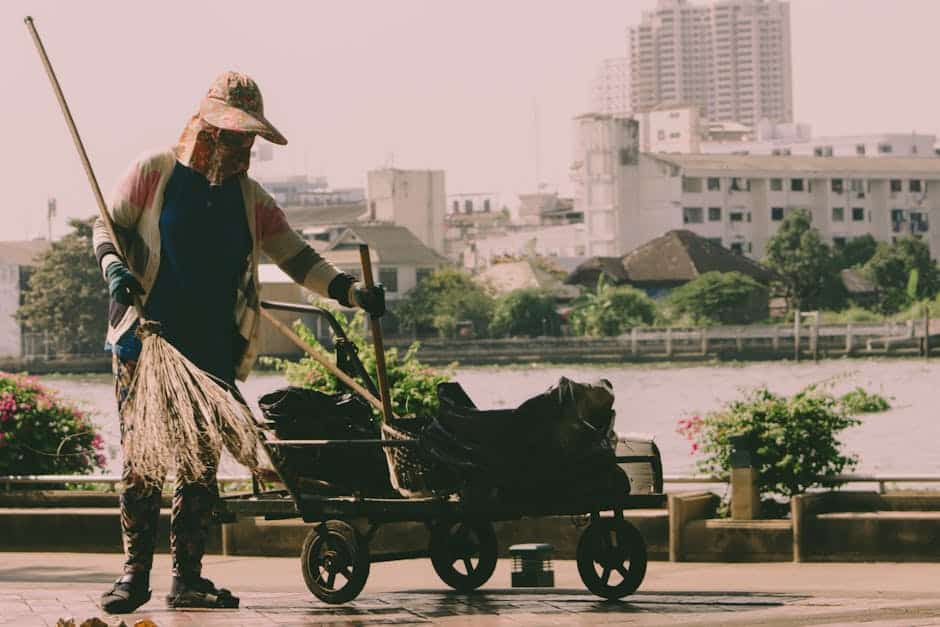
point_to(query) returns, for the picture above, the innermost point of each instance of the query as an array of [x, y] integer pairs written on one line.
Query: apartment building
[[414, 199], [730, 58], [610, 89], [740, 200]]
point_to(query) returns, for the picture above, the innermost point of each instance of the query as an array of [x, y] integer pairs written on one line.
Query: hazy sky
[[436, 83]]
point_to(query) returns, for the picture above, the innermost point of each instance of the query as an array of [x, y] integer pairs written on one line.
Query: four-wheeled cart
[[611, 553]]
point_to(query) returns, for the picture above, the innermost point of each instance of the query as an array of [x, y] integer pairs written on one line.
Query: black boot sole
[[125, 606]]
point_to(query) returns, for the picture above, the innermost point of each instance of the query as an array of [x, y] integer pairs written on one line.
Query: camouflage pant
[[193, 504]]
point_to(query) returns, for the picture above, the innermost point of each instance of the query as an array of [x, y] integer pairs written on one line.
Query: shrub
[[793, 441], [860, 401], [412, 385], [891, 267], [41, 434], [721, 297], [528, 312], [442, 300], [610, 310]]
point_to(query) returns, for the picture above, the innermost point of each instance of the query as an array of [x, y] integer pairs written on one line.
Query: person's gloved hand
[[121, 283], [371, 299]]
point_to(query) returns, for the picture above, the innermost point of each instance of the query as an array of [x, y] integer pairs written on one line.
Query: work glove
[[372, 299], [121, 283]]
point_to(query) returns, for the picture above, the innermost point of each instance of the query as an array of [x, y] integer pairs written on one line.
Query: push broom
[[174, 412]]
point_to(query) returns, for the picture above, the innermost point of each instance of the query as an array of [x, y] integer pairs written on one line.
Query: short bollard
[[532, 565], [745, 498]]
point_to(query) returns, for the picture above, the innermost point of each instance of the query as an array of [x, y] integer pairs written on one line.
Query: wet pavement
[[40, 589]]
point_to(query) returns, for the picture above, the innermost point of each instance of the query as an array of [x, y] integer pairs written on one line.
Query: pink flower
[[97, 443], [694, 448], [101, 460]]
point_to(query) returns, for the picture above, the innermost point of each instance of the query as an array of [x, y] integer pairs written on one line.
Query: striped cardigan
[[135, 210]]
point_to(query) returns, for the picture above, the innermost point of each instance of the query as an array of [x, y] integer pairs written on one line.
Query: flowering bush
[[412, 385], [40, 434], [793, 441]]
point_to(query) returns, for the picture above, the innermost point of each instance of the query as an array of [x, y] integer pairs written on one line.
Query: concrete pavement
[[40, 588]]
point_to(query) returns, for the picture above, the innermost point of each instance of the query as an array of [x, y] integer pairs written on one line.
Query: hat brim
[[231, 118]]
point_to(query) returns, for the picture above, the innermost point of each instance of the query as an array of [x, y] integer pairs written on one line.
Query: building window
[[858, 187], [860, 150], [796, 185], [897, 215], [468, 206], [914, 185], [675, 135], [838, 214], [740, 185], [895, 185], [422, 273], [389, 278], [776, 185], [661, 135], [714, 214], [776, 214], [885, 148], [486, 204], [837, 186], [692, 215], [737, 248], [456, 206], [736, 216], [714, 184], [691, 185], [858, 214], [918, 222]]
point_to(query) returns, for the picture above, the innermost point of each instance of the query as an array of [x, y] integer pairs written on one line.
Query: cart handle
[[310, 309]]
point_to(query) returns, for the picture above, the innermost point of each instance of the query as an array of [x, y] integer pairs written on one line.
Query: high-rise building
[[731, 58], [415, 199], [610, 89]]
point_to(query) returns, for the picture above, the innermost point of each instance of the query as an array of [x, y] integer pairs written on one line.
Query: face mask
[[215, 153]]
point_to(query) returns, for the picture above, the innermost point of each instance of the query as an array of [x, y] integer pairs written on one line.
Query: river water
[[650, 399]]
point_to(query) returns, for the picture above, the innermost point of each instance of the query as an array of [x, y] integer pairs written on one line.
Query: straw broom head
[[177, 415]]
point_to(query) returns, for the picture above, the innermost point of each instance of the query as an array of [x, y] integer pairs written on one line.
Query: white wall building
[[731, 58], [670, 129], [472, 203], [610, 89], [567, 240], [740, 200], [415, 199], [873, 145]]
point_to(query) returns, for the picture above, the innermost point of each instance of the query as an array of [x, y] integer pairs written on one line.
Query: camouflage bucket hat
[[234, 103]]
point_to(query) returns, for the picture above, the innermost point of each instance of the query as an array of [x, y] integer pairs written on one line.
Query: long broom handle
[[377, 342], [95, 188], [322, 359]]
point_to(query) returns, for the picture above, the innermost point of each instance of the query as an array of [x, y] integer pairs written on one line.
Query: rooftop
[[676, 257], [392, 244], [301, 217], [773, 165]]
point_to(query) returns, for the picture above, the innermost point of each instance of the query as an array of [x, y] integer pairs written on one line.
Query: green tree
[[722, 297], [443, 299], [856, 252], [611, 310], [805, 264], [66, 295], [892, 267], [528, 312]]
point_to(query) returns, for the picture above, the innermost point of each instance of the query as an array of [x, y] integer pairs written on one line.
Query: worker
[[194, 226]]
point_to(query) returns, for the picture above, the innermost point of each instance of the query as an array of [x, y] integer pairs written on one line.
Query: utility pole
[[50, 214]]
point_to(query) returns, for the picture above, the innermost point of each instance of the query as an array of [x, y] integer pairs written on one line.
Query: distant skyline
[[445, 85]]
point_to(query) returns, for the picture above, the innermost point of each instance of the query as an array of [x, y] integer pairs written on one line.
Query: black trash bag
[[559, 444], [301, 414]]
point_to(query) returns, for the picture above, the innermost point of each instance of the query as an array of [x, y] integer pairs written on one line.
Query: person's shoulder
[[150, 160], [255, 189]]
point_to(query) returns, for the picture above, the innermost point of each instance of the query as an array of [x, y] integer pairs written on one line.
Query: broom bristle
[[177, 415]]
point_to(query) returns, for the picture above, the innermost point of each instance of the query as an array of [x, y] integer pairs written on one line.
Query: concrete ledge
[[87, 529], [91, 530], [720, 540]]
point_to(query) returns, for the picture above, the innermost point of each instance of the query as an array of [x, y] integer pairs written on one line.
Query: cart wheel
[[611, 558], [335, 562], [463, 553]]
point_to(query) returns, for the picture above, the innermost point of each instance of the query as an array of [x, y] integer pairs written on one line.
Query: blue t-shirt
[[194, 294]]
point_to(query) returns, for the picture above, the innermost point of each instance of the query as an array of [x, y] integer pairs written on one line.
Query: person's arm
[[305, 265], [128, 201]]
